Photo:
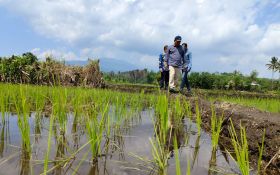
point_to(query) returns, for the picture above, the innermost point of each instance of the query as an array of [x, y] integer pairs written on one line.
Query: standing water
[[128, 150]]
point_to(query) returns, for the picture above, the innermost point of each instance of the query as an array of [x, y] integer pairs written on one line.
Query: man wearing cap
[[174, 58]]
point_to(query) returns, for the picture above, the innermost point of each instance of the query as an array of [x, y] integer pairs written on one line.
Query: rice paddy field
[[59, 130], [263, 104]]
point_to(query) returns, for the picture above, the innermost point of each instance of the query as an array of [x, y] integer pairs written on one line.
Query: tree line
[[26, 68], [203, 80]]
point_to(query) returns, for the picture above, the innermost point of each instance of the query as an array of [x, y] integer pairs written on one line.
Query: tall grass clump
[[95, 128], [161, 140], [160, 155], [216, 126], [47, 154], [4, 99], [241, 150], [59, 98], [22, 110], [162, 117]]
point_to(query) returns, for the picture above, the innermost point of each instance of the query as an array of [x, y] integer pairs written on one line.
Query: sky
[[223, 35]]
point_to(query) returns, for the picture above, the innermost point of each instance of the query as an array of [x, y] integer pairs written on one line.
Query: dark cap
[[178, 38]]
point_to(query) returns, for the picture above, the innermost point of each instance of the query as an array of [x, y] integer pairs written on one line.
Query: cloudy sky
[[224, 35]]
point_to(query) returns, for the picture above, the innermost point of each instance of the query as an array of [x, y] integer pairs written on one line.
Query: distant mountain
[[107, 64]]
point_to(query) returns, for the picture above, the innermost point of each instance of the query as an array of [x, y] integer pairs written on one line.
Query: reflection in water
[[196, 150], [94, 170], [213, 163], [25, 161], [75, 133], [38, 126], [4, 135], [116, 147], [60, 154], [2, 139], [118, 143]]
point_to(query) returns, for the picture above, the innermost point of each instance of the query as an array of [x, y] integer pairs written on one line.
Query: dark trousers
[[164, 79], [185, 81]]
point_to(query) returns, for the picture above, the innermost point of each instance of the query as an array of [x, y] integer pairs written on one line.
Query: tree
[[273, 64], [254, 75]]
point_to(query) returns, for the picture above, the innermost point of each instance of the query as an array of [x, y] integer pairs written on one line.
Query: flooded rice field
[[59, 130], [128, 150]]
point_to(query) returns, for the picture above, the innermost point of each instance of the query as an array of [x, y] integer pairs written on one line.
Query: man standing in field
[[186, 68], [164, 71], [174, 58]]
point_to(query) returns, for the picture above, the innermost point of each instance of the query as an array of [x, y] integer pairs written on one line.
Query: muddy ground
[[255, 122], [253, 119]]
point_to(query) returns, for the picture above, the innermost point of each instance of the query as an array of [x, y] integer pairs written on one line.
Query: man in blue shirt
[[174, 59], [186, 68], [164, 71]]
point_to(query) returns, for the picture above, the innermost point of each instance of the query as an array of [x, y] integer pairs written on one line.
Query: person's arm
[[166, 58], [160, 60], [190, 62]]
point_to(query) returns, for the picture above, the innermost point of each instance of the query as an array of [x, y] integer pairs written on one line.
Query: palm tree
[[273, 66]]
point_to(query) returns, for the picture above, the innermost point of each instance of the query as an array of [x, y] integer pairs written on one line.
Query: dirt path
[[255, 122]]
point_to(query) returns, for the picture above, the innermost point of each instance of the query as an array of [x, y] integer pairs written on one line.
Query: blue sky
[[223, 35]]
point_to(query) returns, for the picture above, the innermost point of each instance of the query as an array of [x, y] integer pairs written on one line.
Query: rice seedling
[[240, 149], [261, 147], [160, 155], [22, 109], [60, 107], [216, 124], [177, 159], [163, 118], [198, 118], [196, 150], [264, 104], [46, 161], [3, 104], [177, 111], [95, 130], [188, 172]]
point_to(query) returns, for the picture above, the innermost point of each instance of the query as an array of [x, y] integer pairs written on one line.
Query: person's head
[[185, 45], [177, 41], [165, 48]]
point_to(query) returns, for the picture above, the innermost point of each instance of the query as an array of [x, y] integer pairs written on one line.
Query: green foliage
[[264, 104], [216, 124], [27, 69], [241, 149], [201, 80], [135, 76]]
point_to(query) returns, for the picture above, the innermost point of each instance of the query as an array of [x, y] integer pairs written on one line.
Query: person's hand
[[160, 70], [165, 64]]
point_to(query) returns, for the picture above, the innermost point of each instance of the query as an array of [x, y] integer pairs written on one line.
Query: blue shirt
[[187, 61], [174, 56], [161, 60]]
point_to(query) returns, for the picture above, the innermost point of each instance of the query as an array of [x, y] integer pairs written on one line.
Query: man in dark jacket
[[174, 59]]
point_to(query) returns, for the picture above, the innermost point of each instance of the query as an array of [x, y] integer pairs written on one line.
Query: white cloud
[[58, 54], [270, 43], [220, 31]]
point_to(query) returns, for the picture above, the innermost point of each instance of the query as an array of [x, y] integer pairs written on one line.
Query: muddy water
[[128, 150]]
